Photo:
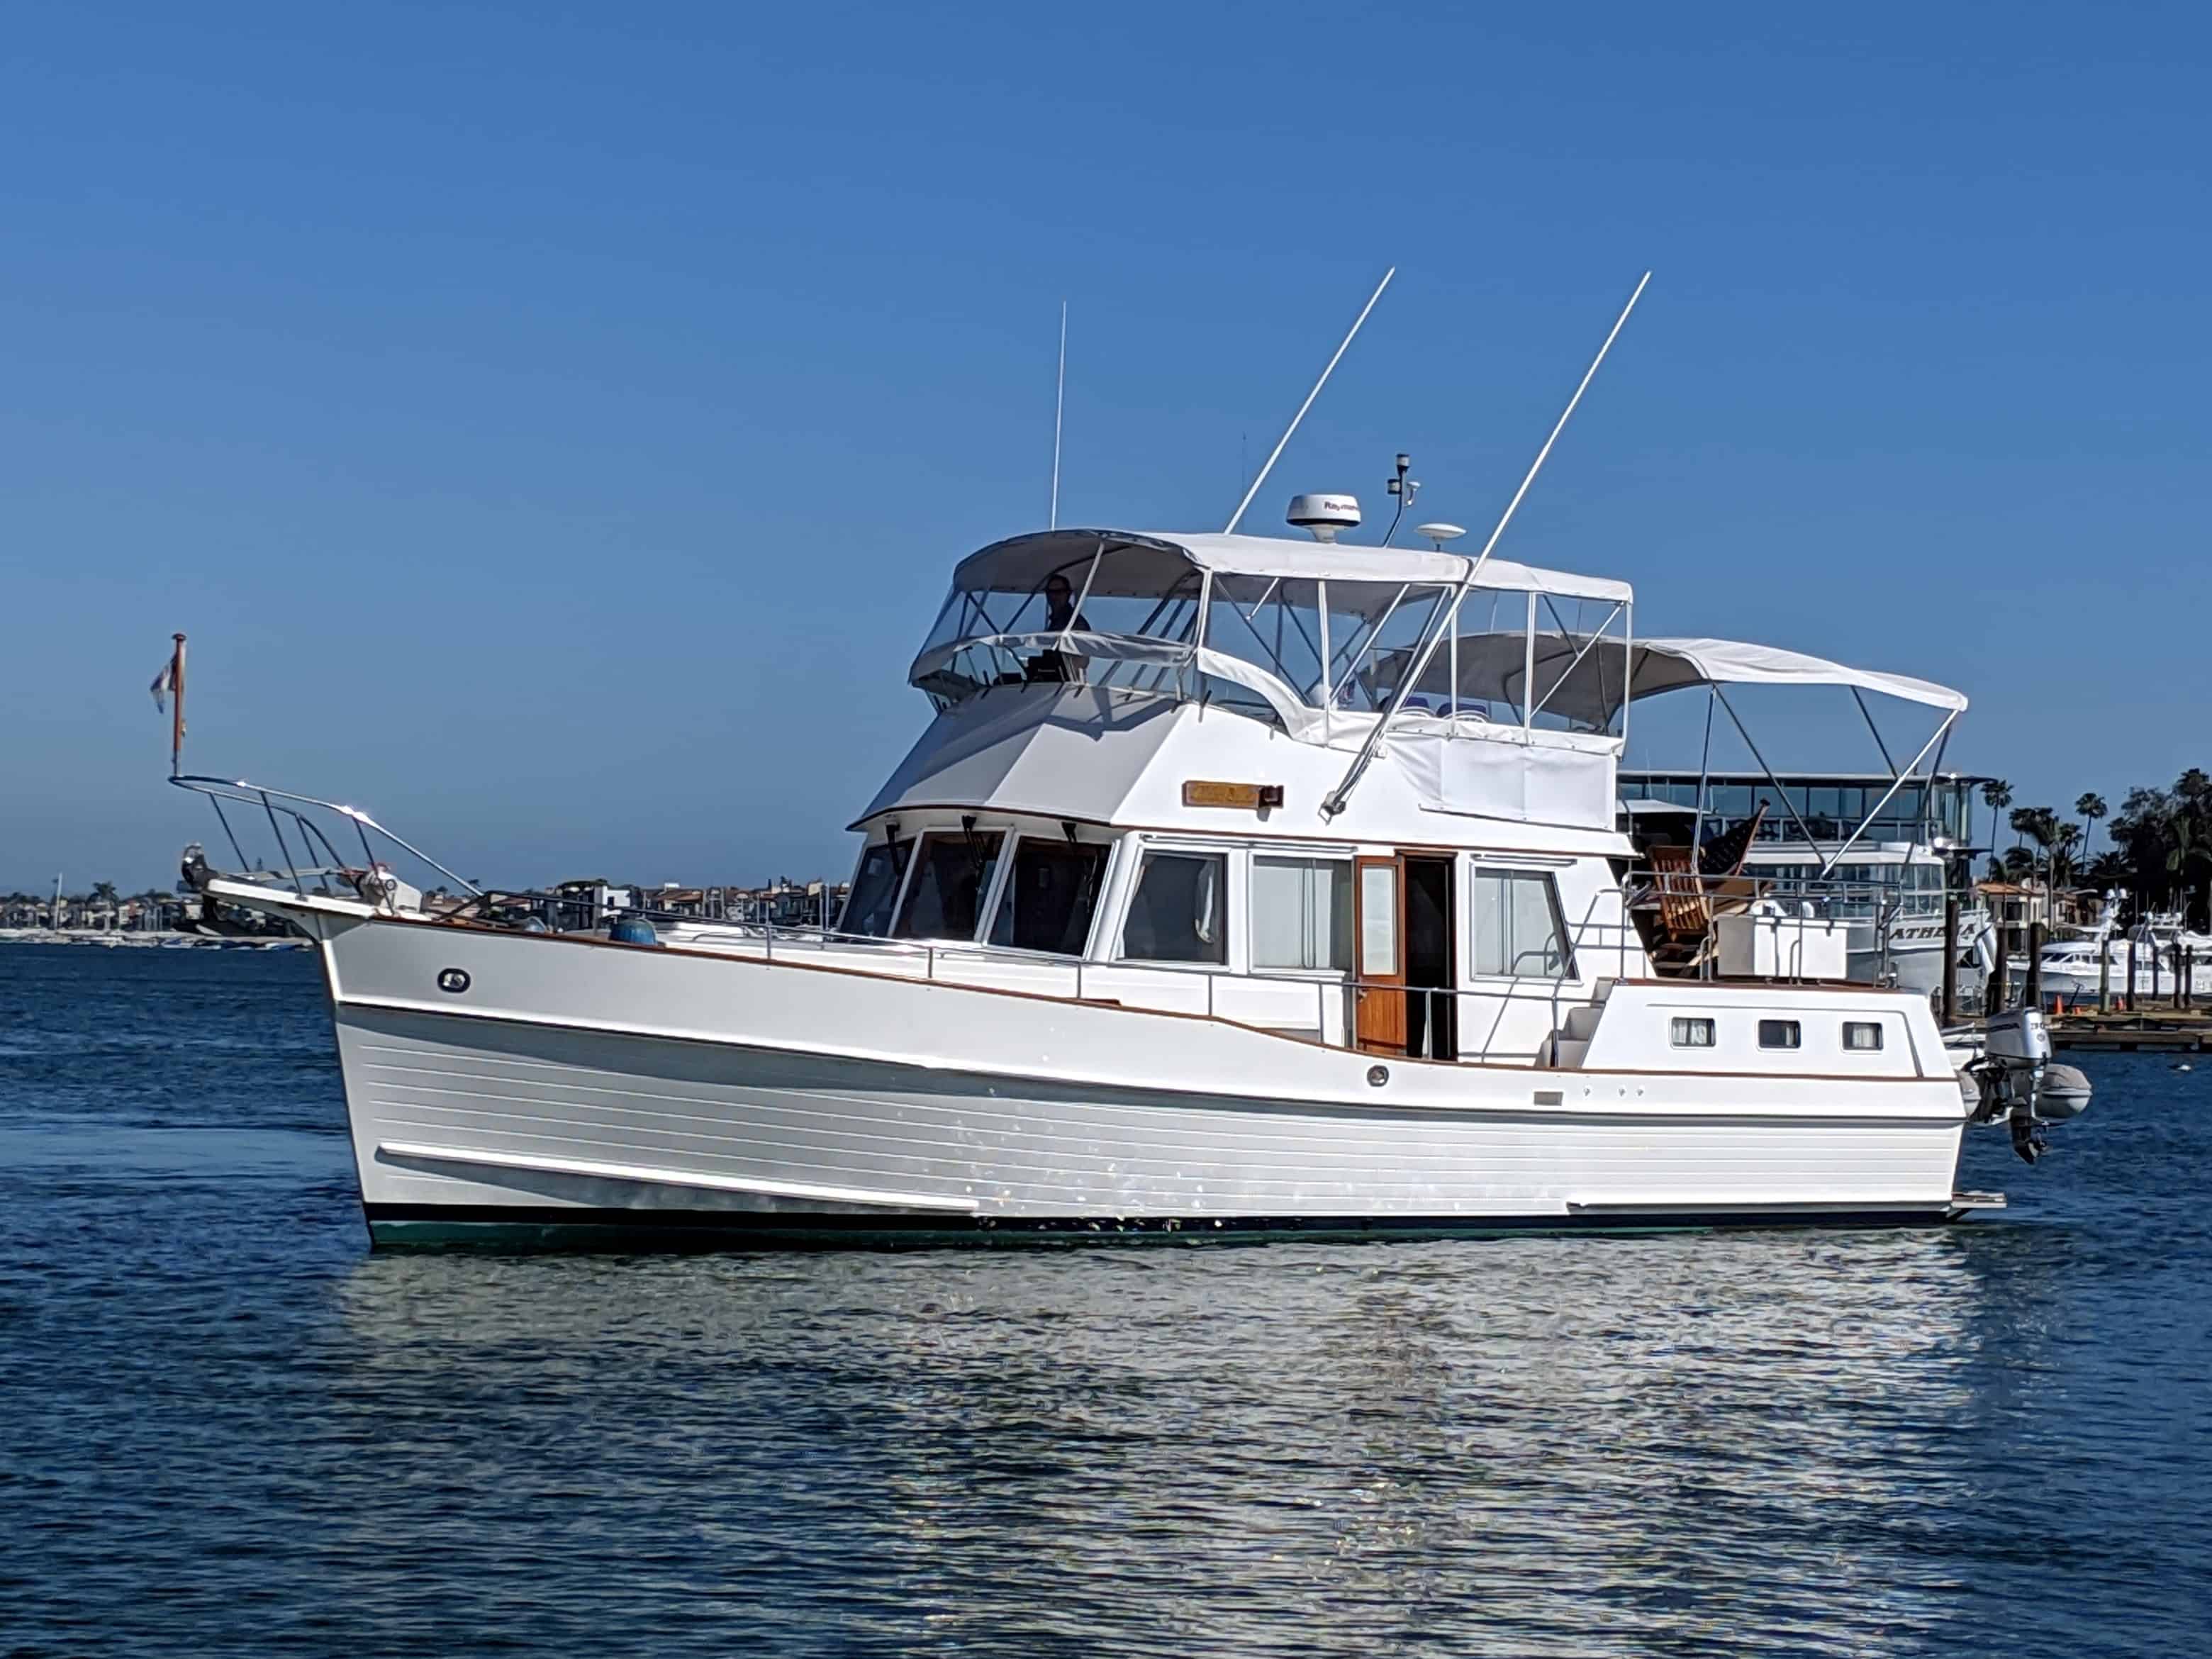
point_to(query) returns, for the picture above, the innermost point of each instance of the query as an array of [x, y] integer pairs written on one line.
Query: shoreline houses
[[103, 910], [589, 902], [586, 903]]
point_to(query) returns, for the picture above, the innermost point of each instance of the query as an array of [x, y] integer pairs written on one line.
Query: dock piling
[[1951, 956], [2034, 997]]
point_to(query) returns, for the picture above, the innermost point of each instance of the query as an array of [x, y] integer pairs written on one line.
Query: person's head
[[1058, 595]]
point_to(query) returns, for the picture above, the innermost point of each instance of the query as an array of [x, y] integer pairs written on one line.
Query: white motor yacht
[[2154, 952], [1221, 897]]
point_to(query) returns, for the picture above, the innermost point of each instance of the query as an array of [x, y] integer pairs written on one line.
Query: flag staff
[[170, 684], [177, 724]]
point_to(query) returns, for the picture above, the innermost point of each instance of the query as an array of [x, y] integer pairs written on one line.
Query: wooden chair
[[1689, 888]]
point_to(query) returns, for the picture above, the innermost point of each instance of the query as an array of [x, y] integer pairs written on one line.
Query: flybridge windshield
[[1002, 633], [1288, 632]]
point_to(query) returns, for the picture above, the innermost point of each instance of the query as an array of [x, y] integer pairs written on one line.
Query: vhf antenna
[[1059, 403]]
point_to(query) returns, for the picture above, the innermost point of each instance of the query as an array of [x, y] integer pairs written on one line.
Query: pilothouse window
[[1050, 895], [1178, 913], [875, 888], [952, 873]]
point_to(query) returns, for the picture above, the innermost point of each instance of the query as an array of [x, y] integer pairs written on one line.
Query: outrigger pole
[[1236, 518], [1449, 620]]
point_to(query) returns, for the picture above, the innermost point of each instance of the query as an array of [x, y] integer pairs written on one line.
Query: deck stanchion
[[1951, 958]]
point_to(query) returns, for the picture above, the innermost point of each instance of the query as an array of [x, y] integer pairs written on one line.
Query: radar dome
[[1324, 515]]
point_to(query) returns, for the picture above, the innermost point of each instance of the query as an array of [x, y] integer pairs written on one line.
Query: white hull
[[2082, 987], [579, 1085]]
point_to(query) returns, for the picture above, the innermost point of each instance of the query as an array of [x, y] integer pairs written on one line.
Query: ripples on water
[[224, 1426]]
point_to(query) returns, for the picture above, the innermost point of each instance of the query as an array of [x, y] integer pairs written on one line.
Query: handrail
[[239, 789]]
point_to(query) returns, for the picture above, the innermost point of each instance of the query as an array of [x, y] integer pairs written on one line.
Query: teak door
[[1378, 956]]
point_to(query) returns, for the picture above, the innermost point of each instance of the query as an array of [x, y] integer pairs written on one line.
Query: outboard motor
[[2019, 1082]]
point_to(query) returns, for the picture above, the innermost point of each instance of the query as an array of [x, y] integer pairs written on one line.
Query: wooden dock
[[2186, 1030]]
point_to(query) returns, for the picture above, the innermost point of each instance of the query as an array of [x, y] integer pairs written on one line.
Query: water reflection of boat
[[1006, 1445]]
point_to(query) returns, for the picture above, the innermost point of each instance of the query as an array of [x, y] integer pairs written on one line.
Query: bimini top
[[1582, 680], [1021, 562]]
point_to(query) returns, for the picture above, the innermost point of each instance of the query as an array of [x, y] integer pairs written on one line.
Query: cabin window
[[1050, 895], [1692, 1033], [875, 888], [1301, 914], [1861, 1037], [1780, 1034], [1518, 931], [1177, 911], [952, 871]]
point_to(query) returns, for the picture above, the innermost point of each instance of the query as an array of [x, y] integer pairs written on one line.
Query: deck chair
[[1689, 889]]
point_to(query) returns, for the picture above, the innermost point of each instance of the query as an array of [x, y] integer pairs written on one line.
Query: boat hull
[[601, 1094]]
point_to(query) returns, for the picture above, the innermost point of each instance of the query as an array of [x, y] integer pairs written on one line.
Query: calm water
[[225, 1426]]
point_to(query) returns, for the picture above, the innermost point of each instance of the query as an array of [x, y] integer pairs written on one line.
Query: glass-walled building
[[1935, 812]]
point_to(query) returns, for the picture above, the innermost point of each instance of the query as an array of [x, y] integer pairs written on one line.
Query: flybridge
[[1308, 636]]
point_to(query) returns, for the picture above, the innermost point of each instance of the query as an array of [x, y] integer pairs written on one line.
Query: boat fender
[[633, 929]]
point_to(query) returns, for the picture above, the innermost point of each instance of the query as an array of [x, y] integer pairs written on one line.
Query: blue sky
[[554, 429]]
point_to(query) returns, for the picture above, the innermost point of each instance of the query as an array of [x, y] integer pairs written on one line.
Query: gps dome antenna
[[1236, 518]]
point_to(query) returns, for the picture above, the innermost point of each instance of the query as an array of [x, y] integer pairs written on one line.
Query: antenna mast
[[1449, 617], [1236, 518], [1059, 403]]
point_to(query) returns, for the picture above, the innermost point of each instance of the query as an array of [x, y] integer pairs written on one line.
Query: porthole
[[1691, 1033], [1863, 1036], [1780, 1034]]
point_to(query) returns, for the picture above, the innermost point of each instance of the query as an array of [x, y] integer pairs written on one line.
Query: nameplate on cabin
[[1251, 797]]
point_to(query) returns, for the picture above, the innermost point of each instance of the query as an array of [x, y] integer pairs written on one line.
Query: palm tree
[[1996, 795], [2091, 805], [2065, 845]]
